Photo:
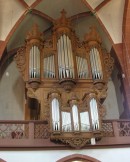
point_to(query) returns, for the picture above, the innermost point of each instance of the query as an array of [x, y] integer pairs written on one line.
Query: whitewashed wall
[[104, 155], [111, 103], [11, 94]]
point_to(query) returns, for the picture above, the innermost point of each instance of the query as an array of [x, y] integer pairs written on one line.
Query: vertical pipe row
[[49, 67], [95, 64], [65, 57], [34, 62], [82, 67]]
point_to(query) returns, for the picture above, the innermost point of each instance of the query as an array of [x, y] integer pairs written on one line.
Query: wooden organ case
[[66, 82]]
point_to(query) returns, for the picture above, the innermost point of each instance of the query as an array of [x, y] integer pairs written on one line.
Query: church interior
[[64, 80]]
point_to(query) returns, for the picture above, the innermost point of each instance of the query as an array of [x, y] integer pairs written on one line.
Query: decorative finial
[[34, 33], [63, 13], [93, 35], [63, 21]]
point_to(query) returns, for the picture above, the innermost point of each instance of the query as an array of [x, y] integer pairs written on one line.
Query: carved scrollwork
[[76, 142], [67, 84], [20, 60], [48, 43], [102, 111], [78, 43], [31, 93], [108, 62], [101, 93]]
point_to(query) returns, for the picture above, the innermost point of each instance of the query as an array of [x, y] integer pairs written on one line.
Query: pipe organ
[[68, 77]]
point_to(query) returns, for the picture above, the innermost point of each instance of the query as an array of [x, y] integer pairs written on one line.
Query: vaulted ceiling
[[17, 17]]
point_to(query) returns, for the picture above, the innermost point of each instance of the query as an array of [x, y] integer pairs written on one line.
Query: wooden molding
[[102, 4]]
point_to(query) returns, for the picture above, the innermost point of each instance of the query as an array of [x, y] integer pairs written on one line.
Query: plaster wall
[[11, 94], [111, 103]]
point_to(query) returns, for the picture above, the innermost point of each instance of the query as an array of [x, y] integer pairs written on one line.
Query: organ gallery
[[66, 81]]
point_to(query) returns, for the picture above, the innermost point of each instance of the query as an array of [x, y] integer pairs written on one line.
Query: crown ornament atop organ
[[68, 79]]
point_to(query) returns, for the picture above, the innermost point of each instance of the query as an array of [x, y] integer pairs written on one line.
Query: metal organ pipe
[[55, 115], [62, 58], [99, 64], [66, 122], [95, 64], [59, 59], [34, 62], [85, 124], [65, 58], [82, 67], [94, 114], [53, 67], [30, 63], [75, 117], [69, 57], [49, 67]]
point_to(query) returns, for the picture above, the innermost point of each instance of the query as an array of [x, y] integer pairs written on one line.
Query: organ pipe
[[95, 64], [34, 62], [75, 118], [55, 115], [94, 114], [65, 58], [82, 67], [85, 124], [66, 122], [49, 67]]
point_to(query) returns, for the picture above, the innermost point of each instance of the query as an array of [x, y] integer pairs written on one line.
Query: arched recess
[[78, 157]]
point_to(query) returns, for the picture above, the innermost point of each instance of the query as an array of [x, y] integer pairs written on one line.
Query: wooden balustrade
[[37, 134]]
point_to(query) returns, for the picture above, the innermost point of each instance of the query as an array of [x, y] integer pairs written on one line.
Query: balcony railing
[[37, 134]]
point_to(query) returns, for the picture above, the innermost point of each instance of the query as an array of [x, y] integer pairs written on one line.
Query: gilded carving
[[108, 63], [76, 142], [20, 60]]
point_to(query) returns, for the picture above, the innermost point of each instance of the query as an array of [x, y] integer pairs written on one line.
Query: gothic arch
[[84, 158]]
